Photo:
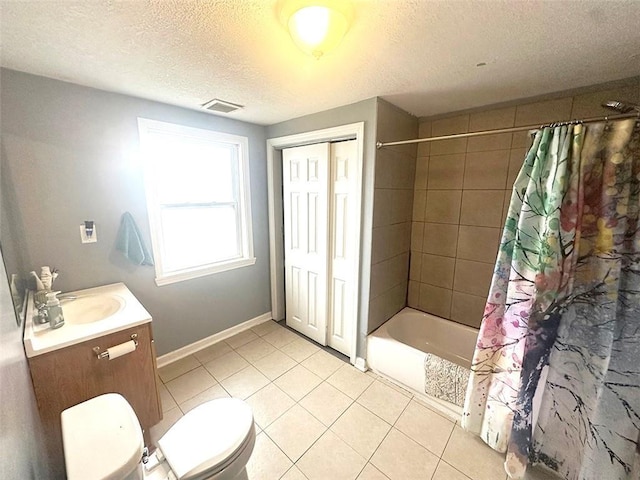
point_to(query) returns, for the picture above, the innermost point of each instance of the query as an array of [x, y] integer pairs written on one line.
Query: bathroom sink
[[88, 314], [91, 308]]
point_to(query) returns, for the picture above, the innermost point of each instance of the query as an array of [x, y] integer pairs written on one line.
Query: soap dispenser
[[54, 310]]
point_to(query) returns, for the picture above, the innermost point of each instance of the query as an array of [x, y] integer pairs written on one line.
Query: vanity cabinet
[[70, 375]]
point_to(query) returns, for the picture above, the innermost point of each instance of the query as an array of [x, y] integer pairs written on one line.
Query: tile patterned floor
[[318, 417]]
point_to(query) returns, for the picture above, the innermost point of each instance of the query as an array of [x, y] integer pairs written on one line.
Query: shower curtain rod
[[509, 130]]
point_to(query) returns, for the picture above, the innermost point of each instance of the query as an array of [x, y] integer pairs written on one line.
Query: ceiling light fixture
[[316, 26]]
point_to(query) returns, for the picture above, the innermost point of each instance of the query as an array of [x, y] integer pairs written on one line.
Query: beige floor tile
[[267, 461], [294, 473], [169, 418], [326, 403], [361, 430], [268, 404], [297, 382], [469, 454], [241, 338], [397, 388], [369, 472], [350, 381], [323, 364], [166, 399], [447, 472], [280, 337], [266, 327], [190, 384], [384, 401], [226, 365], [331, 458], [275, 364], [255, 350], [209, 394], [244, 383], [426, 427], [212, 352], [295, 431], [399, 457], [300, 349], [177, 368]]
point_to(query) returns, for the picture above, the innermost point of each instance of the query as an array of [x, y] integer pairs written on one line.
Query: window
[[197, 184]]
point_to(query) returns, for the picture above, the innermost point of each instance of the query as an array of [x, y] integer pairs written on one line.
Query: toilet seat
[[208, 438]]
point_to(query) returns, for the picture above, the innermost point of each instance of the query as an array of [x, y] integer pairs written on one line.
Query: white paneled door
[[319, 187]]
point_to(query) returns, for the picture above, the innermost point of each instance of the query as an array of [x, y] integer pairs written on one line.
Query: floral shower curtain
[[556, 372]]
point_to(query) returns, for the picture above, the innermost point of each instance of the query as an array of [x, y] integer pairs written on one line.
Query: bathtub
[[398, 348]]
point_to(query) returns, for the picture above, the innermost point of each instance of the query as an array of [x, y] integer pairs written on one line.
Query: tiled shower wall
[[462, 192], [392, 205]]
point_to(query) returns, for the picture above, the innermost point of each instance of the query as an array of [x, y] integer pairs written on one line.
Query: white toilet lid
[[206, 436], [102, 438]]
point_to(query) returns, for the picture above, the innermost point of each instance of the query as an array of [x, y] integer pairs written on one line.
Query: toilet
[[103, 440]]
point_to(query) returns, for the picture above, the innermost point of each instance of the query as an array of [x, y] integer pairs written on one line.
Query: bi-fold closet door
[[319, 191]]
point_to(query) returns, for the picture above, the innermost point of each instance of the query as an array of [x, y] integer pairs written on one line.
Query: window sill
[[202, 272]]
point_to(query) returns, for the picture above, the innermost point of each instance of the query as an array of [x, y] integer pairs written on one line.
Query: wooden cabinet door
[[73, 374]]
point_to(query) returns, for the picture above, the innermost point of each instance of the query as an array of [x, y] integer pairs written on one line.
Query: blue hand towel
[[129, 241]]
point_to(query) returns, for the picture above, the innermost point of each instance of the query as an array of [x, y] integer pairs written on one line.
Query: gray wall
[[23, 452], [395, 170], [68, 154], [364, 111]]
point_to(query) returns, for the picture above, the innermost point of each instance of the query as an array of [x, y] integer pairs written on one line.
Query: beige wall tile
[[500, 141], [444, 147], [590, 104], [482, 208], [516, 160], [424, 131], [440, 239], [387, 274], [419, 205], [490, 119], [435, 300], [415, 267], [467, 309], [486, 170], [446, 172], [521, 140], [437, 270], [414, 294], [385, 306], [478, 243], [389, 241], [394, 169], [417, 235], [392, 206], [422, 173], [472, 277], [443, 206], [505, 206], [544, 112], [451, 125]]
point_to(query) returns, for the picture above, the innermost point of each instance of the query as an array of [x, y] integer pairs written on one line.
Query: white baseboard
[[194, 347], [361, 364]]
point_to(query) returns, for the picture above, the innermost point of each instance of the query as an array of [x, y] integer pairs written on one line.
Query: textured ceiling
[[420, 55]]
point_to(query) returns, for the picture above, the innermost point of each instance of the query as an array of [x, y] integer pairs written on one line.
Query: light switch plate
[[83, 234]]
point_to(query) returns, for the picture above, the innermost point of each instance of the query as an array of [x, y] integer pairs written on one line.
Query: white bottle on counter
[[56, 318]]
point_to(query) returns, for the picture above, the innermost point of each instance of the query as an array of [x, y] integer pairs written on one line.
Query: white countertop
[[39, 339]]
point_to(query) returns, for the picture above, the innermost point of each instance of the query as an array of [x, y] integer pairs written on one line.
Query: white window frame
[[147, 130]]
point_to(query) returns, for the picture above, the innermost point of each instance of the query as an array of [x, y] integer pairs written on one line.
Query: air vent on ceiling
[[220, 106]]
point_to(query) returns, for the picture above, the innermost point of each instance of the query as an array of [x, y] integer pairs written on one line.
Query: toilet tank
[[102, 440]]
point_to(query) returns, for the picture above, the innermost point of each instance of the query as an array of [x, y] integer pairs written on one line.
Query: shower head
[[621, 107]]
